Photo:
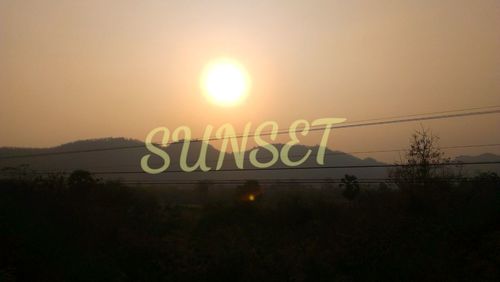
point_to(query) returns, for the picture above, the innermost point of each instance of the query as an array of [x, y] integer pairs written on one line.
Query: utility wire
[[296, 168], [359, 181]]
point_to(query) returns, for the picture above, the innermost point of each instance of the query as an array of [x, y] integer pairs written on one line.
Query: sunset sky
[[74, 70]]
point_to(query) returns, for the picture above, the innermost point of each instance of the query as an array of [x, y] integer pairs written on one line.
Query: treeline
[[77, 228]]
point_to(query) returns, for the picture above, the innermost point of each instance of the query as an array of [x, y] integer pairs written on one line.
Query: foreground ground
[[110, 232]]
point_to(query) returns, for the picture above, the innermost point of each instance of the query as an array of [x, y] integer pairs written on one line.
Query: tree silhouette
[[487, 178], [351, 190], [421, 163], [81, 179]]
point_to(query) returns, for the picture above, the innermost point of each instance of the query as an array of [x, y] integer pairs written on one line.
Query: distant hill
[[487, 157], [99, 155]]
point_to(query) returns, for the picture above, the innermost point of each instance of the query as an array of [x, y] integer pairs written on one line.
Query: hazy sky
[[88, 69]]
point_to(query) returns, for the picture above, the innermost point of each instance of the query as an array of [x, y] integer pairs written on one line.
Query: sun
[[225, 82]]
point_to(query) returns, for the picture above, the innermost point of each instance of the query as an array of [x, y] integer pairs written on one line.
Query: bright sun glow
[[225, 82]]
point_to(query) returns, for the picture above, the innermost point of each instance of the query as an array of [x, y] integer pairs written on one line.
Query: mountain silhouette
[[100, 155]]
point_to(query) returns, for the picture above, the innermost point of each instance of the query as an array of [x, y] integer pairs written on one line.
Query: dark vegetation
[[427, 224]]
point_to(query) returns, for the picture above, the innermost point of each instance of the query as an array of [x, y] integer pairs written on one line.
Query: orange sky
[[87, 69]]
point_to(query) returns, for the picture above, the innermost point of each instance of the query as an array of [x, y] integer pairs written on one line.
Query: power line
[[278, 182], [371, 122], [376, 121], [264, 133], [428, 113], [299, 168], [446, 116]]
